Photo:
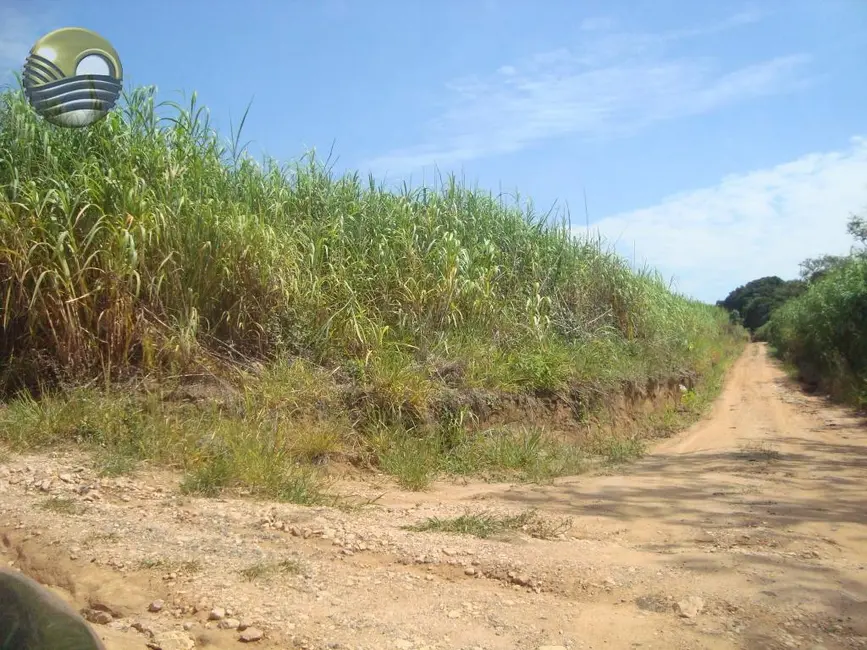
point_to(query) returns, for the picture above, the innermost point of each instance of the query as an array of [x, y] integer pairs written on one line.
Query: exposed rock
[[690, 607], [102, 606], [144, 627], [171, 641], [520, 579], [97, 616], [251, 634], [229, 624]]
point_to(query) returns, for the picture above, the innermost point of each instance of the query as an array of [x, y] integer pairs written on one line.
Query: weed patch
[[63, 506], [182, 567], [484, 525], [115, 462], [264, 570], [526, 453], [616, 450]]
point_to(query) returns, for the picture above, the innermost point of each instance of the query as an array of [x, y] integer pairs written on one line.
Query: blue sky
[[721, 141]]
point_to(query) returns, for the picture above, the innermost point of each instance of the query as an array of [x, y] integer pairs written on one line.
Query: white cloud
[[612, 85], [748, 226]]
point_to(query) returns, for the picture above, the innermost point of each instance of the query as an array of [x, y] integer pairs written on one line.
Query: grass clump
[[485, 524], [263, 570], [184, 567], [251, 453], [616, 450], [526, 453], [64, 506], [102, 537], [117, 461], [333, 310]]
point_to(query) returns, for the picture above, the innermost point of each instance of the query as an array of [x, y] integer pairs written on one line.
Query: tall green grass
[[144, 242], [146, 246], [824, 332]]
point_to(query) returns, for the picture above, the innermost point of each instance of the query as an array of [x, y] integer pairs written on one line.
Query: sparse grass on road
[[264, 570], [186, 567], [484, 525], [64, 506]]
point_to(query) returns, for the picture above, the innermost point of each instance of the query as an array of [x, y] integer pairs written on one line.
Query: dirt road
[[747, 531]]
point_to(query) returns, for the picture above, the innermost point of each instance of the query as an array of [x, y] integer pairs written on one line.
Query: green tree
[[755, 301], [815, 268], [857, 227]]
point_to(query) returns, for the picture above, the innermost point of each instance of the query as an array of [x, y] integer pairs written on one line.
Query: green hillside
[[314, 316]]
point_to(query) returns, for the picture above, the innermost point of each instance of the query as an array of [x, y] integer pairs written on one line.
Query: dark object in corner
[[33, 618]]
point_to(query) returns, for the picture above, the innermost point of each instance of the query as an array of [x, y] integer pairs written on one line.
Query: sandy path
[[755, 521]]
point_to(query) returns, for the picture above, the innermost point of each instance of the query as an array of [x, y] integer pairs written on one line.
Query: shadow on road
[[825, 482]]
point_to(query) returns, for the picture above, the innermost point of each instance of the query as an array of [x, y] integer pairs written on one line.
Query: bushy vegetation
[[336, 314], [823, 332], [753, 303]]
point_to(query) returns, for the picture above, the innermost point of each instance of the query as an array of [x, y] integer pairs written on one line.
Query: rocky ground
[[747, 531]]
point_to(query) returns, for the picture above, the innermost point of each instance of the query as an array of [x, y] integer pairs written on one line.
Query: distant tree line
[[753, 303], [817, 324]]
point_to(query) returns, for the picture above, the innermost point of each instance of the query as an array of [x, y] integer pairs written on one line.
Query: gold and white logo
[[73, 77]]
